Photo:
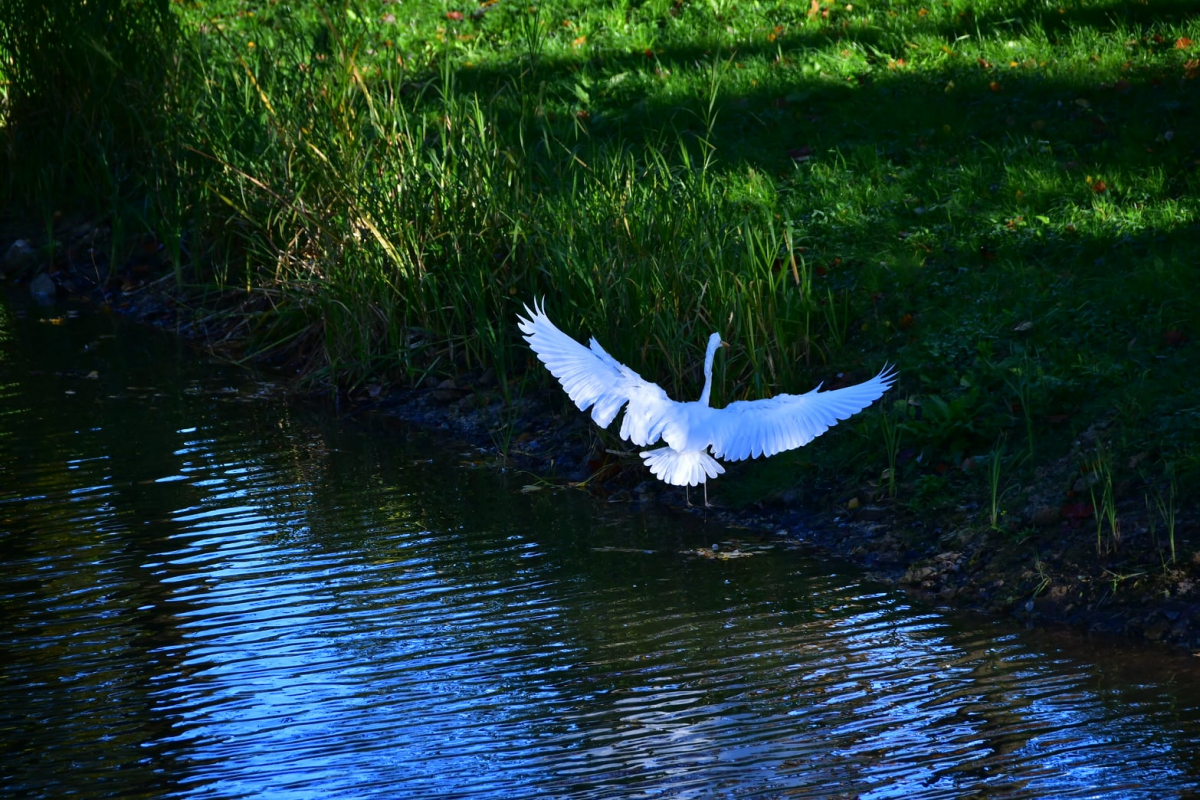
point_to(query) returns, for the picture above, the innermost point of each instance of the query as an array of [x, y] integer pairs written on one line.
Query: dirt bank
[[1040, 566]]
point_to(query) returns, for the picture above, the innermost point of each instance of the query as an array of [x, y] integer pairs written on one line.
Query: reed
[[892, 432], [995, 464], [1166, 509], [1105, 508]]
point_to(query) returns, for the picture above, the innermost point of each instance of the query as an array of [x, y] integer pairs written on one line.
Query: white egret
[[743, 429]]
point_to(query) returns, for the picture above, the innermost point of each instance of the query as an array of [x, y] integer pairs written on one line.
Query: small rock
[[43, 288], [447, 391], [790, 497], [871, 514], [19, 256], [1156, 631], [917, 575], [1046, 516]]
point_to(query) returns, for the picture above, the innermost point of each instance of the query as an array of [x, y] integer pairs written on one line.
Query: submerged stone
[[43, 288]]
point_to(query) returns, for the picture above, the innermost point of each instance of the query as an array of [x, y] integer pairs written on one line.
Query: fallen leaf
[[454, 15], [1183, 43]]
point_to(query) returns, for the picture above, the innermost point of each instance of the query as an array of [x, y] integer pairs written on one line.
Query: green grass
[[1000, 197]]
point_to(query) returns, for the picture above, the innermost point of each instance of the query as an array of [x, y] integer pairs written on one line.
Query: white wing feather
[[753, 428], [592, 378]]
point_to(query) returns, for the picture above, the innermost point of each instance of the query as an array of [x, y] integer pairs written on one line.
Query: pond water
[[208, 592]]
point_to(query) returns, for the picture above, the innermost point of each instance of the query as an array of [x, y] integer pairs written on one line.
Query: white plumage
[[695, 433]]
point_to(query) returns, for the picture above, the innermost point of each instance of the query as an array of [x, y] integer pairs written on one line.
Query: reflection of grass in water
[[975, 194]]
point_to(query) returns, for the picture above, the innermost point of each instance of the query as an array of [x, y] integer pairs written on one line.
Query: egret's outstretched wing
[[593, 378], [749, 429]]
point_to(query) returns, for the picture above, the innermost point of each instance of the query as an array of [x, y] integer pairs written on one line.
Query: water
[[209, 593]]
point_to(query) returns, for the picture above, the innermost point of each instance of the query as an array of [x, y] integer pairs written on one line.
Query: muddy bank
[[1040, 566], [1049, 561]]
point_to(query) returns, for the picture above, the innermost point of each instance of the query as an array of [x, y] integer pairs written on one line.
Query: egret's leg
[[687, 499], [706, 503]]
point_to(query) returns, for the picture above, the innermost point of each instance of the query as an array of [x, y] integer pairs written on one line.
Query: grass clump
[[88, 98]]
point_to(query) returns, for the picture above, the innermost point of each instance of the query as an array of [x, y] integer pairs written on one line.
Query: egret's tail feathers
[[686, 468]]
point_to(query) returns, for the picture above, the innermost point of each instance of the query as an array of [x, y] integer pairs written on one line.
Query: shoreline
[[1036, 567], [950, 560]]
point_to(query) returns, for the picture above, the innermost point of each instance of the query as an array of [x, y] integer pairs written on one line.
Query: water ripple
[[222, 600]]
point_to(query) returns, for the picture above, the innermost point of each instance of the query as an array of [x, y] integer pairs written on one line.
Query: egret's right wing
[[753, 428], [593, 378]]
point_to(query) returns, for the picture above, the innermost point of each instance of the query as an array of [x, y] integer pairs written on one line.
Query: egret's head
[[714, 343]]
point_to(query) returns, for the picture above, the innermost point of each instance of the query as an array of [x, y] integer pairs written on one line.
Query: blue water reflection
[[211, 594]]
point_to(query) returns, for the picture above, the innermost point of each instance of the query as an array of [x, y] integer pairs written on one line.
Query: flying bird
[[696, 434]]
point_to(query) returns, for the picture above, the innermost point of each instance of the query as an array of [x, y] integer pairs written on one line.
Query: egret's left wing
[[593, 378], [753, 428]]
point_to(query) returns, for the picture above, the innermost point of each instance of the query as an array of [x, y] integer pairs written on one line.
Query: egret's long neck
[[713, 344]]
